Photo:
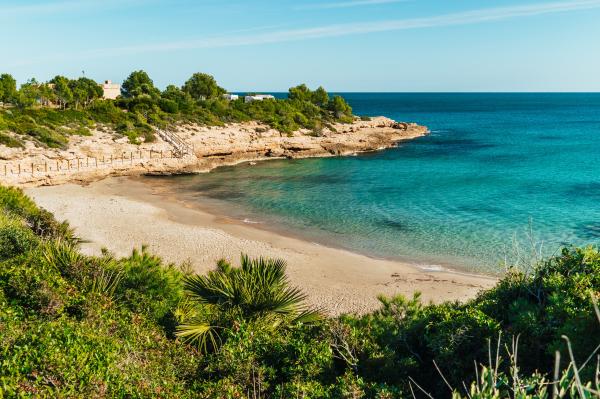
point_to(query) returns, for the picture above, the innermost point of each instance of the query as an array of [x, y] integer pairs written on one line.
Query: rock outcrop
[[104, 154]]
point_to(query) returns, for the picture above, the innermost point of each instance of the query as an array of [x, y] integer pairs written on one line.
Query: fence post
[[131, 158], [5, 169], [19, 169], [161, 154], [46, 167], [32, 169], [57, 166], [87, 161], [77, 163], [111, 159]]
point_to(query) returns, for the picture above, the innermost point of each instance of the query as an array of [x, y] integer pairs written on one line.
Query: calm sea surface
[[495, 167]]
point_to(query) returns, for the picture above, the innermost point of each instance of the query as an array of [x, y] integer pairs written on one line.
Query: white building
[[258, 97], [230, 97], [111, 90]]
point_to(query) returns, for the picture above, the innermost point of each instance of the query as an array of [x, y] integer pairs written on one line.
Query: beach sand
[[123, 213]]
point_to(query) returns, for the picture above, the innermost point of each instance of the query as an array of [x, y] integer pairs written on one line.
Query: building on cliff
[[111, 90], [230, 97], [258, 97]]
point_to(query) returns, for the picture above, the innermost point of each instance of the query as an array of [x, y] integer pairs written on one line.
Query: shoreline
[[219, 210], [123, 213]]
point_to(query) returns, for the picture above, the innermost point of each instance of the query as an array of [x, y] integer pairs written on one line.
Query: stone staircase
[[180, 146]]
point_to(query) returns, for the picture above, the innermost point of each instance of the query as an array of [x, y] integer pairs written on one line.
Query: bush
[[147, 286], [132, 114], [404, 338], [10, 141], [15, 238], [168, 106]]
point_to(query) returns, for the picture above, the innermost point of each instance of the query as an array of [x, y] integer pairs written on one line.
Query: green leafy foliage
[[202, 86], [48, 113], [8, 88], [62, 331], [139, 84], [10, 141]]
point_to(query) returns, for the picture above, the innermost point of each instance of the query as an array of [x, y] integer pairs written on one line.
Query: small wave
[[246, 220], [432, 268]]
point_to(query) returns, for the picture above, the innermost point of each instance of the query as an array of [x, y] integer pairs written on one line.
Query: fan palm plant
[[257, 290]]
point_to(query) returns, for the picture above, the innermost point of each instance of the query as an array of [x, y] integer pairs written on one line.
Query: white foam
[[432, 268], [246, 220]]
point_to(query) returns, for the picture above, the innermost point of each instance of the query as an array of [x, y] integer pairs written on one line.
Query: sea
[[503, 179]]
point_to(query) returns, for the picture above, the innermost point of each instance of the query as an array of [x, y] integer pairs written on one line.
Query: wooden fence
[[131, 158]]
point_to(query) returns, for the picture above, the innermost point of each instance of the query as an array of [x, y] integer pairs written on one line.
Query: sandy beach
[[122, 213]]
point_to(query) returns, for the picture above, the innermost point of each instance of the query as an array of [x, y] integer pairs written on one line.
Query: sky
[[343, 45]]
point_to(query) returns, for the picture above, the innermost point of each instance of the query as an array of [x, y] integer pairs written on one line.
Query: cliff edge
[[103, 154]]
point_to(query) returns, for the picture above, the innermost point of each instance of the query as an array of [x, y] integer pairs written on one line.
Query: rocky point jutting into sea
[[103, 154]]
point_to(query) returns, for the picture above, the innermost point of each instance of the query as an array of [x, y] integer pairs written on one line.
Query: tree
[[8, 88], [259, 289], [174, 93], [137, 84], [28, 93], [340, 107], [62, 90], [202, 86], [84, 91], [320, 97], [300, 92], [46, 94]]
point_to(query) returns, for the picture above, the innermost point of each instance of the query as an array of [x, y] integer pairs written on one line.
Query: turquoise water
[[495, 167]]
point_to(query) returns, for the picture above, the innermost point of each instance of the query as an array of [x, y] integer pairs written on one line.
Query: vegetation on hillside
[[73, 325], [48, 113]]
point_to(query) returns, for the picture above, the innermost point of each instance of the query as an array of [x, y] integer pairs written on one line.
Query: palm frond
[[202, 334], [287, 300], [106, 282], [215, 288], [258, 290], [309, 316], [186, 310], [224, 266], [61, 254]]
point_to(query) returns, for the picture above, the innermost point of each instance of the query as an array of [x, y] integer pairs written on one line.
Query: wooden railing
[[62, 165], [180, 146]]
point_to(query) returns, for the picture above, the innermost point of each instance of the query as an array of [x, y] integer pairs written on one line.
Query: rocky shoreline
[[212, 147]]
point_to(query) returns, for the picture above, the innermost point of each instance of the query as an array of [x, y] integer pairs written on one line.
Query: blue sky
[[344, 45]]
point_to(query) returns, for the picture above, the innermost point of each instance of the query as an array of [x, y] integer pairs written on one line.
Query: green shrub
[[148, 286], [10, 141], [169, 106], [15, 238]]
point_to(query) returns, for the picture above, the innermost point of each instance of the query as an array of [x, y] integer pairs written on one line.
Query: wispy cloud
[[345, 4], [279, 36], [461, 18], [53, 7]]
